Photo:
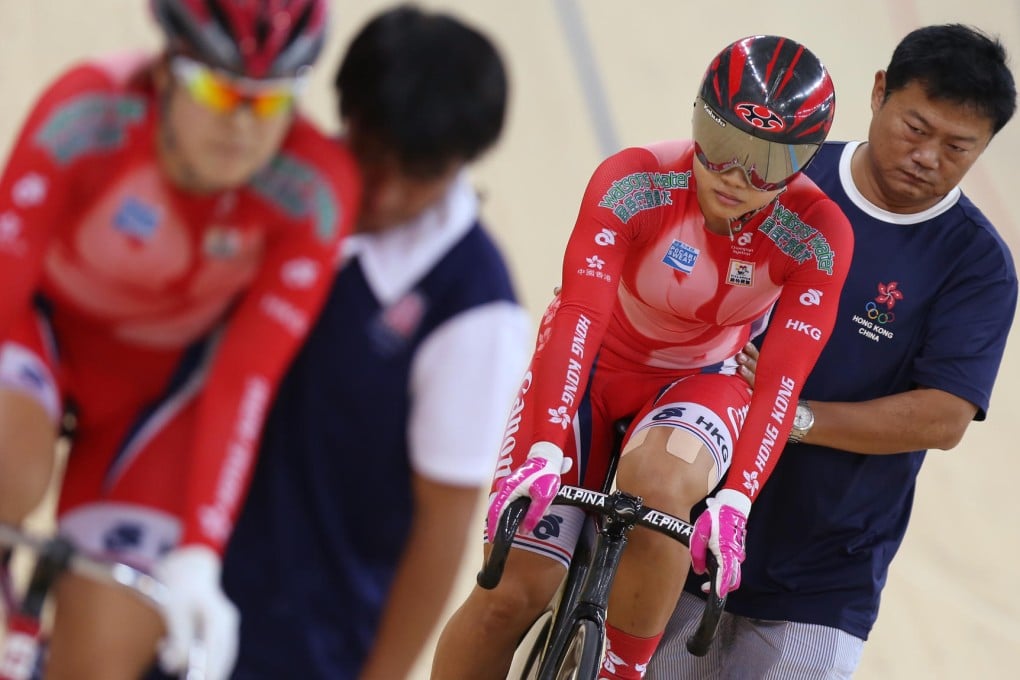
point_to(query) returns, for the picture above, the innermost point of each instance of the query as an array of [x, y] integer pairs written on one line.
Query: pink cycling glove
[[538, 477], [721, 529]]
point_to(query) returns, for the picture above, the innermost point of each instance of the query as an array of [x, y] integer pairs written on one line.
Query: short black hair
[[426, 86], [956, 63]]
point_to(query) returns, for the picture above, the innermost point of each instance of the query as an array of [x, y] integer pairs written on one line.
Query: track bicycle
[[22, 641], [571, 633]]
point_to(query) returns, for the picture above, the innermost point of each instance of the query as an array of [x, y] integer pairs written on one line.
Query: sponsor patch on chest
[[136, 219], [394, 327], [221, 243], [681, 256], [741, 273]]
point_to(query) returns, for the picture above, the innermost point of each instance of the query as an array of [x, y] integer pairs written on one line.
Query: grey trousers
[[753, 649]]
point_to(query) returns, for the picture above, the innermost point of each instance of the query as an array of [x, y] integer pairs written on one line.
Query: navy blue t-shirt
[[928, 302], [325, 523]]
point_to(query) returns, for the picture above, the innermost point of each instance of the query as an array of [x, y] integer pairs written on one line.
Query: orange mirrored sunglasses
[[224, 93]]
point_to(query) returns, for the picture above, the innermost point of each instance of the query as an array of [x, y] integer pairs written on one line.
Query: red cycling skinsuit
[[167, 317], [652, 300]]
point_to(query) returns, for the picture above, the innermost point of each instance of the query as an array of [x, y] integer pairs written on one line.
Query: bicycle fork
[[600, 546], [20, 658]]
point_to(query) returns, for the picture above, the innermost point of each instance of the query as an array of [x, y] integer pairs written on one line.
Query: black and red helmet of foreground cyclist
[[766, 105], [250, 38]]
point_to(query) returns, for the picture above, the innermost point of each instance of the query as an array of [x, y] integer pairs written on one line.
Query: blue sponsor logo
[[136, 219], [548, 527], [681, 256], [31, 375], [123, 536]]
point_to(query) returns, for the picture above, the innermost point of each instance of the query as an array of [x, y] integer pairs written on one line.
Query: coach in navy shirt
[[912, 360]]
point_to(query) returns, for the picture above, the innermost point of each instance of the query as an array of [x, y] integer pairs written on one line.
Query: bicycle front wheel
[[582, 656], [528, 657]]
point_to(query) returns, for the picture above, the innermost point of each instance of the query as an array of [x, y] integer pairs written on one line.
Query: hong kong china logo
[[888, 295]]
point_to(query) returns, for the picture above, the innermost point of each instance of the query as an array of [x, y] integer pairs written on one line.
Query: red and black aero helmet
[[252, 38], [766, 105]]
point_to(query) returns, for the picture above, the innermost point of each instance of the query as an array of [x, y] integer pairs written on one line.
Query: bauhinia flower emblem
[[889, 293]]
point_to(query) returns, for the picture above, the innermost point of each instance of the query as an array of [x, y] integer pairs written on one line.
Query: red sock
[[627, 656]]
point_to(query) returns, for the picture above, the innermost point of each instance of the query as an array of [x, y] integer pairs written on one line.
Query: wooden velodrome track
[[592, 76]]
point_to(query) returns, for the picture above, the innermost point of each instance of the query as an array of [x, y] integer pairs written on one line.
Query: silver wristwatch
[[803, 419]]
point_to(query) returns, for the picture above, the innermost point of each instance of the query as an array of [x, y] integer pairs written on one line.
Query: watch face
[[802, 418]]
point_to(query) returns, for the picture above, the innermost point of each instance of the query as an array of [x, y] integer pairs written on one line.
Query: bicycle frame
[[599, 550], [610, 515], [593, 567]]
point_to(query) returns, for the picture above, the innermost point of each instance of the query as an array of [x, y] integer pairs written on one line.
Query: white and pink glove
[[721, 529], [538, 478]]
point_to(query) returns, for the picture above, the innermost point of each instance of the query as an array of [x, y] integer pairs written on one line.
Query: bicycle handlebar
[[492, 570], [701, 639], [65, 557], [56, 555], [595, 501]]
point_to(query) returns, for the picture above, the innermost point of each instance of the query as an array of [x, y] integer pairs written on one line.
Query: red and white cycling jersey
[[653, 293], [135, 270]]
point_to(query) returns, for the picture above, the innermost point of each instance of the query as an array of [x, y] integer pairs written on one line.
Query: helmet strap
[[742, 220], [740, 224]]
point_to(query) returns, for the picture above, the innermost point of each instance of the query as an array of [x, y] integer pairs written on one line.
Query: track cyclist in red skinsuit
[[679, 252], [168, 230]]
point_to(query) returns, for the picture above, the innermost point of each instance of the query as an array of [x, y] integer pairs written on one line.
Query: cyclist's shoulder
[[119, 74], [111, 90], [805, 198], [92, 106], [640, 189], [664, 164], [312, 181]]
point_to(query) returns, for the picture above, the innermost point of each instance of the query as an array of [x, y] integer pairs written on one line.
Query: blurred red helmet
[[766, 104], [252, 38]]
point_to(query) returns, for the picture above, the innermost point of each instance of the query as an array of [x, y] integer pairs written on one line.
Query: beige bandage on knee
[[683, 445], [679, 443], [687, 448]]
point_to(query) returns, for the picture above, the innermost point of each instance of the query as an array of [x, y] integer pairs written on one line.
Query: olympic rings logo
[[875, 315]]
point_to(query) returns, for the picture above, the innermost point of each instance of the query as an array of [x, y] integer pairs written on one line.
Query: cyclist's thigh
[[123, 496], [672, 661], [101, 632], [776, 650], [28, 363], [29, 414], [696, 421], [124, 485], [529, 582]]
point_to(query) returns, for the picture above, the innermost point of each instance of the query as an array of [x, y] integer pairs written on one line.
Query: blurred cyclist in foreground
[[170, 228]]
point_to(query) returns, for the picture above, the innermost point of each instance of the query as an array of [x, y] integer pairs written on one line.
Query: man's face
[[393, 195], [919, 148], [218, 131]]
